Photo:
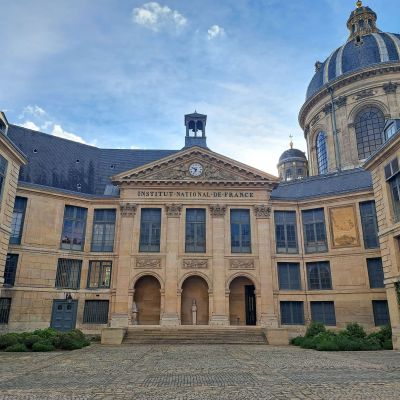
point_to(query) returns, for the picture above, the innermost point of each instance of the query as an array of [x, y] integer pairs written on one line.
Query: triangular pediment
[[176, 168]]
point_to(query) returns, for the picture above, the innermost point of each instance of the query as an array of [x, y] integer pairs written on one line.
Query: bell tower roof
[[195, 130]]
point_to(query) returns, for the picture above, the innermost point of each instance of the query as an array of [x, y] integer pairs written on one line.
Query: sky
[[122, 74]]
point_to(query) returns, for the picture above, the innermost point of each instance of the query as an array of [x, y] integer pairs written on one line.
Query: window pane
[[323, 311], [322, 154], [381, 312], [99, 274], [3, 170], [68, 273], [289, 276], [18, 220], [395, 190], [73, 233], [103, 230], [150, 229], [314, 231], [10, 269], [5, 305], [369, 224], [285, 231], [375, 273], [95, 312], [319, 275], [292, 312], [240, 231], [195, 230]]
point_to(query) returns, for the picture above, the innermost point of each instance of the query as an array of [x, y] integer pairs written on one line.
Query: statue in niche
[[194, 312], [135, 312]]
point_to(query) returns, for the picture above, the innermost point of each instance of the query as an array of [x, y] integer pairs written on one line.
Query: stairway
[[194, 335]]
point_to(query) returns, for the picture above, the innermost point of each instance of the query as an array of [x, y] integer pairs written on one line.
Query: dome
[[292, 155]]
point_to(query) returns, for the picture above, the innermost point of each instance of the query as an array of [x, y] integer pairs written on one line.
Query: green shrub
[[72, 340], [47, 333], [308, 343], [297, 341], [9, 339], [326, 344], [43, 345], [16, 348], [314, 329], [30, 340], [354, 331], [387, 345], [371, 343]]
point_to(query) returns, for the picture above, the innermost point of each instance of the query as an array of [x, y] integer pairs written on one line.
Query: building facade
[[117, 238]]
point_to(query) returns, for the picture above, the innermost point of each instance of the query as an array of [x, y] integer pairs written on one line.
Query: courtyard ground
[[189, 372]]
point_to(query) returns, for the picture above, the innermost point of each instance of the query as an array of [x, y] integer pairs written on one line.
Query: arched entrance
[[242, 302], [148, 300], [194, 288]]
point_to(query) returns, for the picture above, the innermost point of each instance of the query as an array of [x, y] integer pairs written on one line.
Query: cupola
[[195, 130]]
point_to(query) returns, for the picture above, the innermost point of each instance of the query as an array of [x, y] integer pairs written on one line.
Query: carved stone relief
[[148, 263], [262, 211], [128, 209], [390, 87], [173, 210], [195, 263], [242, 264], [217, 210], [364, 93]]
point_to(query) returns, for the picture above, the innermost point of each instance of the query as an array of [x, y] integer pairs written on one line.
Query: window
[[375, 273], [73, 234], [314, 231], [323, 311], [240, 231], [150, 229], [17, 222], [68, 274], [3, 170], [103, 230], [99, 276], [369, 124], [5, 305], [288, 175], [381, 312], [95, 312], [195, 230], [285, 231], [10, 269], [394, 184], [319, 275], [369, 224], [322, 153], [292, 313], [289, 276]]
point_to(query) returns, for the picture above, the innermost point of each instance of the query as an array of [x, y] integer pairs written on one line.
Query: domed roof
[[292, 155]]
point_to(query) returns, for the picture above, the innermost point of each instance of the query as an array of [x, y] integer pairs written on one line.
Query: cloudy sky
[[121, 74]]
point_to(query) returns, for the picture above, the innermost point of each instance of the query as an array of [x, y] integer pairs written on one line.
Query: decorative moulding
[[174, 210], [128, 209], [148, 263], [262, 211], [242, 264], [364, 93], [195, 263], [390, 87], [218, 210]]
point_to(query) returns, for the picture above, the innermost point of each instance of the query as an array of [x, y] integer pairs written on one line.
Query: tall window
[[369, 124], [95, 312], [99, 276], [10, 269], [73, 234], [68, 274], [319, 275], [292, 313], [3, 170], [375, 273], [323, 311], [314, 231], [381, 312], [285, 231], [322, 153], [150, 230], [5, 305], [394, 184], [195, 230], [289, 276], [103, 230], [369, 224], [17, 222], [240, 231]]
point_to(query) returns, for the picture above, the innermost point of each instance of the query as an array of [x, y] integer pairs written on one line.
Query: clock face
[[196, 169]]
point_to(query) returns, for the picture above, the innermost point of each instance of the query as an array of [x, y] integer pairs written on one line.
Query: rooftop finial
[[291, 141], [359, 4]]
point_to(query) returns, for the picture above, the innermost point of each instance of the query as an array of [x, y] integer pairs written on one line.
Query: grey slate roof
[[324, 185], [53, 162], [292, 154]]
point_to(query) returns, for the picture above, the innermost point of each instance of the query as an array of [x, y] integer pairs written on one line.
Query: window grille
[[3, 170], [369, 224], [240, 231], [292, 312], [150, 230], [323, 311], [319, 275], [285, 232], [314, 231], [17, 222], [5, 305], [103, 230], [99, 276], [10, 269], [375, 273], [73, 234], [68, 274], [95, 312], [381, 312], [195, 230], [322, 153], [289, 276]]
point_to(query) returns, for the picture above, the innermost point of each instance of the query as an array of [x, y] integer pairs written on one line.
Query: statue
[[194, 312], [135, 312]]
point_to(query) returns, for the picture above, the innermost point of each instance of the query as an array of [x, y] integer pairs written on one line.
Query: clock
[[195, 169]]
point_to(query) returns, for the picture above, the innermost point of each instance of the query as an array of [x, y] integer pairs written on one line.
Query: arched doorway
[[148, 300], [242, 302], [194, 288]]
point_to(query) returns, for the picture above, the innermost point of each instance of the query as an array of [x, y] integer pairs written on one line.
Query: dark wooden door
[[250, 305], [63, 316]]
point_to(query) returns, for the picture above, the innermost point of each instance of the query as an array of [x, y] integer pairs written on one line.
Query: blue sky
[[122, 74]]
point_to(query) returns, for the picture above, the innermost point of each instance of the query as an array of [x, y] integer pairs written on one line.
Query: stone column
[[220, 313], [267, 314], [170, 314], [120, 317]]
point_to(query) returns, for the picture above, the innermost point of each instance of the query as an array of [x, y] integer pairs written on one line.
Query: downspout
[[335, 135]]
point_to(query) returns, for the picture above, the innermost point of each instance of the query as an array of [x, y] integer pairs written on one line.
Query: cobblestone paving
[[191, 372]]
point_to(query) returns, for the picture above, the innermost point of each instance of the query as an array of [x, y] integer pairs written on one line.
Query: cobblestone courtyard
[[199, 372]]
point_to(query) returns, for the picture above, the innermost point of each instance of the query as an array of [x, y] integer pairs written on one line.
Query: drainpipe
[[335, 135]]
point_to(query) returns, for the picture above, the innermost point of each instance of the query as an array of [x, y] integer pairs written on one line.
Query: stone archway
[[194, 288], [148, 300], [242, 302]]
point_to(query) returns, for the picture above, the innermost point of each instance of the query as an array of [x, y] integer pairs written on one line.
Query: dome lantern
[[362, 21]]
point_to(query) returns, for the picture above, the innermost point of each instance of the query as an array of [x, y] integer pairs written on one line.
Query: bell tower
[[195, 130]]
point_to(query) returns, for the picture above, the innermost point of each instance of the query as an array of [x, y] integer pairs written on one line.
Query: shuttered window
[[17, 222], [369, 224], [285, 232], [5, 306], [323, 311], [292, 313], [240, 231], [73, 234], [95, 312], [375, 273], [195, 241], [150, 230], [10, 269], [99, 276], [68, 274], [289, 276], [314, 231], [381, 312], [103, 230], [319, 275]]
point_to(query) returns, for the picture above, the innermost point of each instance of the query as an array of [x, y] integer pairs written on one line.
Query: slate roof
[[68, 165], [324, 185], [292, 154]]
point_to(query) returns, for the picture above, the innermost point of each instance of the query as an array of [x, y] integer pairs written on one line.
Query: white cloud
[[156, 17], [60, 132], [215, 31], [30, 125], [35, 111]]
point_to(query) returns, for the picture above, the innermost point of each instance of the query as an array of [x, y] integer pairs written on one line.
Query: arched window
[[369, 124], [322, 155], [289, 175]]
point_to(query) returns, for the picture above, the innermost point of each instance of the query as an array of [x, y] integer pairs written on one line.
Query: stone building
[[110, 238]]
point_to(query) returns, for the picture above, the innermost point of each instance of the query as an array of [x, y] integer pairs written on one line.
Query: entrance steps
[[195, 335]]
